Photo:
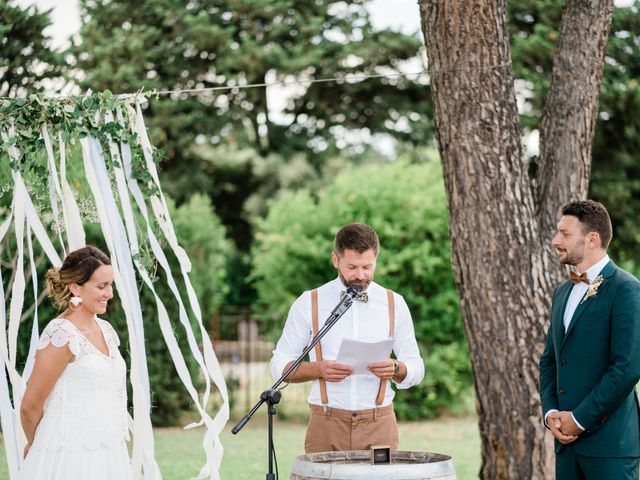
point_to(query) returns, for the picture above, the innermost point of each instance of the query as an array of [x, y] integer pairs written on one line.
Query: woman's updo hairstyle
[[78, 266]]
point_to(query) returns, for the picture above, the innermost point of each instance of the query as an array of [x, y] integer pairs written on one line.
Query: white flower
[[593, 288]]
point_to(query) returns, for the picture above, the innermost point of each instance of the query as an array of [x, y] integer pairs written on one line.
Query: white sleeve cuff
[[547, 414], [572, 416], [576, 422], [409, 379]]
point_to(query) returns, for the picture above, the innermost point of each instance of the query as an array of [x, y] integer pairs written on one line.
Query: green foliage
[[615, 174], [204, 238], [406, 205], [27, 60], [166, 44], [446, 387], [615, 177], [69, 118]]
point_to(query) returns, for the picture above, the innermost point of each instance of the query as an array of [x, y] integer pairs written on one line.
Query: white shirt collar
[[594, 270]]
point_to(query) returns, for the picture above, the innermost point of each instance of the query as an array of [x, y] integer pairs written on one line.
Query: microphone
[[346, 301]]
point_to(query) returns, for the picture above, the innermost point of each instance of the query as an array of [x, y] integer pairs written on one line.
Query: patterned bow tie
[[361, 297], [575, 278]]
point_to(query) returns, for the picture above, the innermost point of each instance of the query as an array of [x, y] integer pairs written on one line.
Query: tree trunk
[[504, 269], [571, 109]]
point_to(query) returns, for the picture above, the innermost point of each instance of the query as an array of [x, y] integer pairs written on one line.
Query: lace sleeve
[[113, 335], [59, 333]]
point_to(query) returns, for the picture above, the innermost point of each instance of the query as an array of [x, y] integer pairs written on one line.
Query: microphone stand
[[272, 396]]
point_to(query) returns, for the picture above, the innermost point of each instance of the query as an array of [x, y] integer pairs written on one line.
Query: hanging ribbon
[[163, 218], [55, 192], [118, 222], [113, 229]]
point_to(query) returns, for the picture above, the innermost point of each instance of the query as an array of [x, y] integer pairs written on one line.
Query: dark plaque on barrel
[[380, 455]]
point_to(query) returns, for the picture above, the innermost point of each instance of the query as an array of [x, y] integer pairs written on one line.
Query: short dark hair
[[356, 236], [594, 218]]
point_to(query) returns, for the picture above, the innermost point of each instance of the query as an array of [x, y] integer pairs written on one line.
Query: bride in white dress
[[74, 411]]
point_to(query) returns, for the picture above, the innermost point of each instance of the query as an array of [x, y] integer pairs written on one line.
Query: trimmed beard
[[363, 285], [572, 257]]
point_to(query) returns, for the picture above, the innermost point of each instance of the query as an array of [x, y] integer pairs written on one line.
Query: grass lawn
[[245, 458]]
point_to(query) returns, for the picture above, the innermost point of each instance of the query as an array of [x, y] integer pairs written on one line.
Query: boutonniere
[[593, 288]]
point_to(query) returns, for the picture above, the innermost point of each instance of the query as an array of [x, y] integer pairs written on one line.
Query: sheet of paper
[[359, 354]]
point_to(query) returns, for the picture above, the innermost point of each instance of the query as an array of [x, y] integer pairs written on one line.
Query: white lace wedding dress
[[83, 432]]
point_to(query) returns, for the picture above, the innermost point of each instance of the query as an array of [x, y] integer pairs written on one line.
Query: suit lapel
[[558, 312], [608, 270]]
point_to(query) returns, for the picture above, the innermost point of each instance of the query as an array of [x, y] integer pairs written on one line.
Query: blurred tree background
[[260, 185], [615, 174], [407, 204], [27, 59]]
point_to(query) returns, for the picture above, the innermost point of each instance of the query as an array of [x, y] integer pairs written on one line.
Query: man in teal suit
[[591, 361]]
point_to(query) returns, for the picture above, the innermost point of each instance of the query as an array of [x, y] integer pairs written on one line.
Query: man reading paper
[[351, 411]]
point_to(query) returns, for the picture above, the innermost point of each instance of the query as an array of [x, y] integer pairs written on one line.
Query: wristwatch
[[396, 368]]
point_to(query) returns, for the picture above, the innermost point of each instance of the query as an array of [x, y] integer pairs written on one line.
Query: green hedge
[[406, 204]]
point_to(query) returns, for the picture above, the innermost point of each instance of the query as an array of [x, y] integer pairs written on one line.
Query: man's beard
[[361, 284], [575, 256]]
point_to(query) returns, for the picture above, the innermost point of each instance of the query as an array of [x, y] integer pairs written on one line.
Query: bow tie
[[575, 278], [361, 297]]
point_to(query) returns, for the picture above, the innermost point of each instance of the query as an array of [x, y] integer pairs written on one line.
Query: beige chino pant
[[342, 430]]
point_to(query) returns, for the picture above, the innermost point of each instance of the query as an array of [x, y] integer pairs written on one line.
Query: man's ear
[[594, 240], [334, 259]]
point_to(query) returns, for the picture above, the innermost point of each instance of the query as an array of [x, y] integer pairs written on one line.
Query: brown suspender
[[314, 321], [392, 321]]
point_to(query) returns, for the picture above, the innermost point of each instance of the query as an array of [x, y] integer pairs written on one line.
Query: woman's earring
[[75, 303]]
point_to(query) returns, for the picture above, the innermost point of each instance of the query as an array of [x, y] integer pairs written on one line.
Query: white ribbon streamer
[[7, 412], [33, 344], [17, 289], [118, 223], [55, 192], [213, 367], [98, 178], [72, 219]]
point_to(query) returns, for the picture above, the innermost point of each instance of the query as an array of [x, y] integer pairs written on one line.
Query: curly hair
[[78, 266]]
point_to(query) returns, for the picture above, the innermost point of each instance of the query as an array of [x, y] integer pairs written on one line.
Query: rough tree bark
[[500, 220], [569, 118]]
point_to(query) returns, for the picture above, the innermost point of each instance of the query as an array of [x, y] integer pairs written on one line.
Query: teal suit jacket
[[592, 369]]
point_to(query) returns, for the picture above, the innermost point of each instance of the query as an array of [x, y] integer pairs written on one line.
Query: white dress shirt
[[368, 322], [580, 289], [575, 297]]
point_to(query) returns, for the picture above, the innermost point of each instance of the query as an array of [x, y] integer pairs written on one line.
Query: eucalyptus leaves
[[100, 115]]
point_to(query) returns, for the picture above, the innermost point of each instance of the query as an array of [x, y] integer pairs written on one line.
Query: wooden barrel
[[356, 465]]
